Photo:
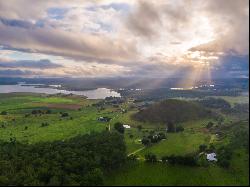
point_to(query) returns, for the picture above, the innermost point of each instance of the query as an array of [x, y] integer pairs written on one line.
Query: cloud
[[78, 46], [148, 38], [40, 64], [230, 21], [144, 20], [150, 18]]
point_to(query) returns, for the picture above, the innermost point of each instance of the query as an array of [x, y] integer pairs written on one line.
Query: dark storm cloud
[[40, 64], [15, 72]]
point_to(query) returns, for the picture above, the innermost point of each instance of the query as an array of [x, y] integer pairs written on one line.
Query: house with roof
[[211, 157], [126, 126]]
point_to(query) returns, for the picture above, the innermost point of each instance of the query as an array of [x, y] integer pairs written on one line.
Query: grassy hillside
[[171, 110]]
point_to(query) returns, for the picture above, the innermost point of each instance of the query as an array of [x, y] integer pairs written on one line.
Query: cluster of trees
[[119, 127], [163, 93], [40, 112], [216, 103], [3, 113], [82, 160], [240, 108], [188, 160], [153, 138], [64, 114], [207, 149], [173, 128], [224, 156], [239, 138], [150, 157], [209, 125], [45, 124]]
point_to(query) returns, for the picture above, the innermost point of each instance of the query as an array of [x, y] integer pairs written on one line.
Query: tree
[[65, 114], [188, 160], [150, 157], [179, 129], [45, 124], [145, 141], [119, 127], [211, 148], [202, 147], [171, 126], [48, 112], [162, 136], [3, 113], [210, 124], [132, 157], [139, 127]]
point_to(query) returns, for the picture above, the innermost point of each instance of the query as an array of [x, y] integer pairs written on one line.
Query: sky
[[109, 38]]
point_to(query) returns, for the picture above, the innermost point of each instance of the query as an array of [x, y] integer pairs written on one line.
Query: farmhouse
[[211, 157], [126, 126]]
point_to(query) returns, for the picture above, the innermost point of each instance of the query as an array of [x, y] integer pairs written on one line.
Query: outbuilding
[[211, 157]]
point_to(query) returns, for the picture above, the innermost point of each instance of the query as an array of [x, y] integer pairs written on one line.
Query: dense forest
[[172, 110], [82, 160]]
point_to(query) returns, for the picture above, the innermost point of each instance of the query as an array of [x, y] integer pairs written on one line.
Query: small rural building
[[211, 157], [126, 126]]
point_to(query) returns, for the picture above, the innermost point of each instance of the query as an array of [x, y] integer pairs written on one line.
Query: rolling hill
[[172, 110]]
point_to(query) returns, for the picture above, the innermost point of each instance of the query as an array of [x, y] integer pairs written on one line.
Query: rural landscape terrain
[[124, 93], [66, 139]]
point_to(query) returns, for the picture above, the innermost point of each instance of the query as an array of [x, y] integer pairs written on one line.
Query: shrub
[[179, 129], [44, 124], [182, 160], [119, 127], [48, 112], [150, 157], [3, 113], [210, 124], [224, 163], [202, 148], [139, 127], [65, 114], [145, 141], [132, 157], [162, 135]]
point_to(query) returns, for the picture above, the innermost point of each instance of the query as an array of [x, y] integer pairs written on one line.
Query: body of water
[[99, 93]]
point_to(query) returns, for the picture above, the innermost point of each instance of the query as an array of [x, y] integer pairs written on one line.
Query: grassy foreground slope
[[142, 173]]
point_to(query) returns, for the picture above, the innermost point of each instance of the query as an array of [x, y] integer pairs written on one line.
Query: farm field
[[177, 144], [27, 127]]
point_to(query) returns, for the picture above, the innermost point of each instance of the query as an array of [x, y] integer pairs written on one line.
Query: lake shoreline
[[97, 93]]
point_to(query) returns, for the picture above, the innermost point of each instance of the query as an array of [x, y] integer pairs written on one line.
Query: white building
[[126, 126], [211, 157]]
